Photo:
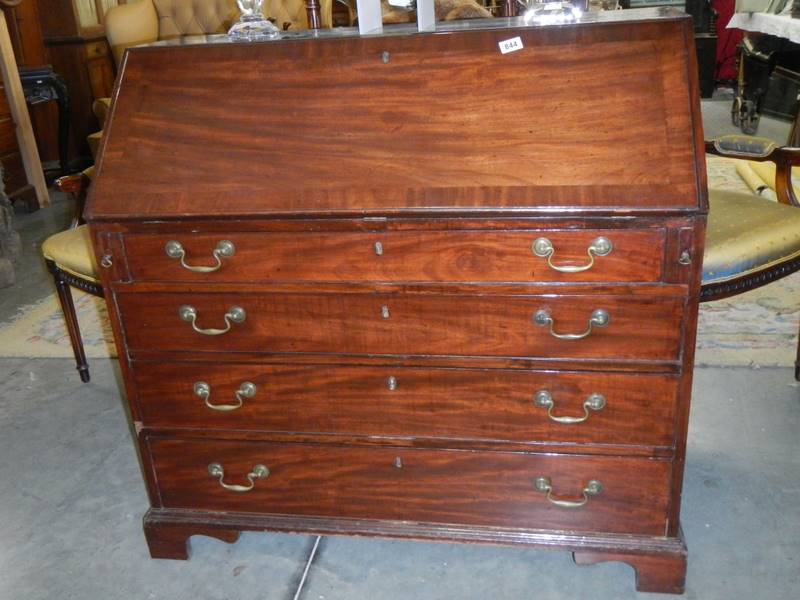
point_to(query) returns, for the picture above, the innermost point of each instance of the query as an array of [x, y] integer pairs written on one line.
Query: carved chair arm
[[762, 150], [77, 185]]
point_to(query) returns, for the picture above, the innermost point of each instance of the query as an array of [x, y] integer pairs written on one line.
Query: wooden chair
[[751, 241], [70, 259]]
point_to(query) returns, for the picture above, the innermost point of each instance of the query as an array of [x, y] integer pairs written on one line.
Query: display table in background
[[782, 26]]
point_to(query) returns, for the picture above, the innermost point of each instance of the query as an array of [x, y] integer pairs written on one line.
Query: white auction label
[[511, 45]]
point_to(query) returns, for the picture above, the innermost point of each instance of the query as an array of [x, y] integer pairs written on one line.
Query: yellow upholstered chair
[[70, 259], [750, 240]]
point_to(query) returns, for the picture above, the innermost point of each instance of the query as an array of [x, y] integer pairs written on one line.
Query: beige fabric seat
[[752, 240], [747, 234], [71, 250]]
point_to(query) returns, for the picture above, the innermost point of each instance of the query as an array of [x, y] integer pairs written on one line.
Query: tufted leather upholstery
[[147, 21], [194, 17]]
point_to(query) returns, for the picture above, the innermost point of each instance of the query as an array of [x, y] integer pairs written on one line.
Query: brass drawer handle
[[224, 249], [543, 248], [246, 390], [593, 488], [543, 399], [258, 472], [599, 318], [235, 314]]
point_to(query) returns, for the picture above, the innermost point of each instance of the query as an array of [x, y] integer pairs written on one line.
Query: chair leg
[[68, 307], [797, 361]]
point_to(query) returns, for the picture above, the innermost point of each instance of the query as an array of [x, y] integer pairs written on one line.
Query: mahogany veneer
[[420, 324], [478, 256], [439, 486], [374, 207], [467, 404]]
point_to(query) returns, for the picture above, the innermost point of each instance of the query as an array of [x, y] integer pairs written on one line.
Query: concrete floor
[[32, 280], [717, 119], [72, 498]]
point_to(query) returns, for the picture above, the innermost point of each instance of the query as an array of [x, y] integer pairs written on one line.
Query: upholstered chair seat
[[71, 251], [752, 239], [747, 234]]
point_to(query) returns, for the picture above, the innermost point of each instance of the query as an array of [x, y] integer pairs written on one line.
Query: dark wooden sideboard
[[407, 285]]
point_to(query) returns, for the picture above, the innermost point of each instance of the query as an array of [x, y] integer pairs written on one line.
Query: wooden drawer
[[642, 328], [438, 486], [397, 401], [476, 256]]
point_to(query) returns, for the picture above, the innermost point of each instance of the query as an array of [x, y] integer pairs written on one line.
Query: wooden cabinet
[[14, 178], [423, 297], [25, 35], [78, 50]]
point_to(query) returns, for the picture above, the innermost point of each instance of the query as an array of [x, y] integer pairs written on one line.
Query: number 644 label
[[511, 45]]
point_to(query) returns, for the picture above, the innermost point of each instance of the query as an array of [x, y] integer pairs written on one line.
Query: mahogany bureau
[[407, 285]]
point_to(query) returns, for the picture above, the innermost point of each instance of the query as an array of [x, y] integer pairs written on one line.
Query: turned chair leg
[[68, 307]]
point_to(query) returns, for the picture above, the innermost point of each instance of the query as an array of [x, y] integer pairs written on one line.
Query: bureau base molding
[[659, 562]]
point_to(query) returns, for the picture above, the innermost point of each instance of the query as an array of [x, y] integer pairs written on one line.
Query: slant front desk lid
[[600, 115]]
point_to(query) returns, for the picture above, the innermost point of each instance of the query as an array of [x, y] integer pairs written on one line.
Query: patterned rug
[[758, 328], [39, 330]]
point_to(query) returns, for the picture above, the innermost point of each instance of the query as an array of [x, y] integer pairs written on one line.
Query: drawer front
[[410, 402], [438, 486], [378, 324], [480, 256]]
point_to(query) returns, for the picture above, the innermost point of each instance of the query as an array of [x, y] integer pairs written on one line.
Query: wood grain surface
[[407, 325], [481, 488], [445, 123], [488, 256], [467, 404]]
